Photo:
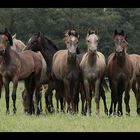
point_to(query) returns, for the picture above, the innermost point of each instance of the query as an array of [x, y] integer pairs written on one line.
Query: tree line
[[53, 22]]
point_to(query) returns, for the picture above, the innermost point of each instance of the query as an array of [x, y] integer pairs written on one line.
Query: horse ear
[[66, 33], [39, 34], [122, 32], [96, 32], [14, 36], [126, 37], [6, 32], [77, 35], [69, 33]]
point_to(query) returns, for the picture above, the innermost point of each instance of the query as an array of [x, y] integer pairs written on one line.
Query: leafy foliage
[[53, 22]]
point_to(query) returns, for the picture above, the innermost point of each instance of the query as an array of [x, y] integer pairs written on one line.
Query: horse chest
[[90, 74]]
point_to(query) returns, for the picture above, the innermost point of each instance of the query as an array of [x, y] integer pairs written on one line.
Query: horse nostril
[[2, 51]]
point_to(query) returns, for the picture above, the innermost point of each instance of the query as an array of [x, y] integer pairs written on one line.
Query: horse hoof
[[127, 114], [14, 111], [106, 112], [138, 110], [7, 112], [83, 113]]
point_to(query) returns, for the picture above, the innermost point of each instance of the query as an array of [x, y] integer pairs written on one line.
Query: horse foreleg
[[82, 92], [113, 87], [48, 99], [76, 96], [6, 85], [119, 112], [127, 97], [97, 95], [15, 84], [88, 98]]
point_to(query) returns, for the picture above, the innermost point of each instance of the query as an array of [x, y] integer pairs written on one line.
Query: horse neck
[[91, 59], [121, 60], [71, 61], [48, 56]]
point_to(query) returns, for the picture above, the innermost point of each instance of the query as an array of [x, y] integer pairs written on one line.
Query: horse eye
[[68, 42]]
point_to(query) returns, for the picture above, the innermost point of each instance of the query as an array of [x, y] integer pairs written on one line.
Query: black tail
[[105, 85]]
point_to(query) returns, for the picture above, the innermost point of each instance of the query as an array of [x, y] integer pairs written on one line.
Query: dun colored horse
[[65, 68], [18, 45], [120, 73], [15, 66], [93, 70]]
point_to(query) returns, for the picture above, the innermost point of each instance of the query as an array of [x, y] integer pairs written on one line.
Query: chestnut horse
[[16, 66], [120, 74], [93, 68]]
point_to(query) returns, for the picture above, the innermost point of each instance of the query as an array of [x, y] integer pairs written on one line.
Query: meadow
[[60, 122]]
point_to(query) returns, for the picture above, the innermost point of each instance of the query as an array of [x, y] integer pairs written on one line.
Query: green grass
[[60, 122]]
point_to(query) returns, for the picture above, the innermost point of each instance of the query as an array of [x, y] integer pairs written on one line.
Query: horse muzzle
[[2, 51], [93, 51], [119, 53]]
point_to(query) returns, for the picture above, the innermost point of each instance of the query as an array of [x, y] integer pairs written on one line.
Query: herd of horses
[[72, 74]]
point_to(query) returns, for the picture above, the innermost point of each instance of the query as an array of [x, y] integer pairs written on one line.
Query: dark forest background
[[53, 22]]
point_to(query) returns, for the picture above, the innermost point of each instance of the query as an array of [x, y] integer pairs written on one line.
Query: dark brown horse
[[18, 66], [120, 73], [38, 42]]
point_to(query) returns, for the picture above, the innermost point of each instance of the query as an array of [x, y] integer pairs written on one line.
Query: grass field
[[60, 122]]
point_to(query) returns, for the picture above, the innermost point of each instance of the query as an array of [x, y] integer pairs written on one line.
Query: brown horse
[[65, 68], [120, 74], [135, 58], [18, 46], [18, 66], [93, 68]]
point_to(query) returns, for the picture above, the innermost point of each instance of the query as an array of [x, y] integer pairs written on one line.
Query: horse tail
[[105, 85]]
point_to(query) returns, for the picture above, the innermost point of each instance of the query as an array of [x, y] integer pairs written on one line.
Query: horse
[[18, 46], [120, 74], [16, 66], [43, 81], [93, 69], [39, 42], [25, 101], [65, 69], [135, 59]]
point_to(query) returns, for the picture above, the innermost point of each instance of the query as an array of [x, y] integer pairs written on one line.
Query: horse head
[[121, 43], [92, 40], [71, 40], [5, 41]]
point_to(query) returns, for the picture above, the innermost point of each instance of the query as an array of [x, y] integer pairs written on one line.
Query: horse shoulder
[[59, 66]]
